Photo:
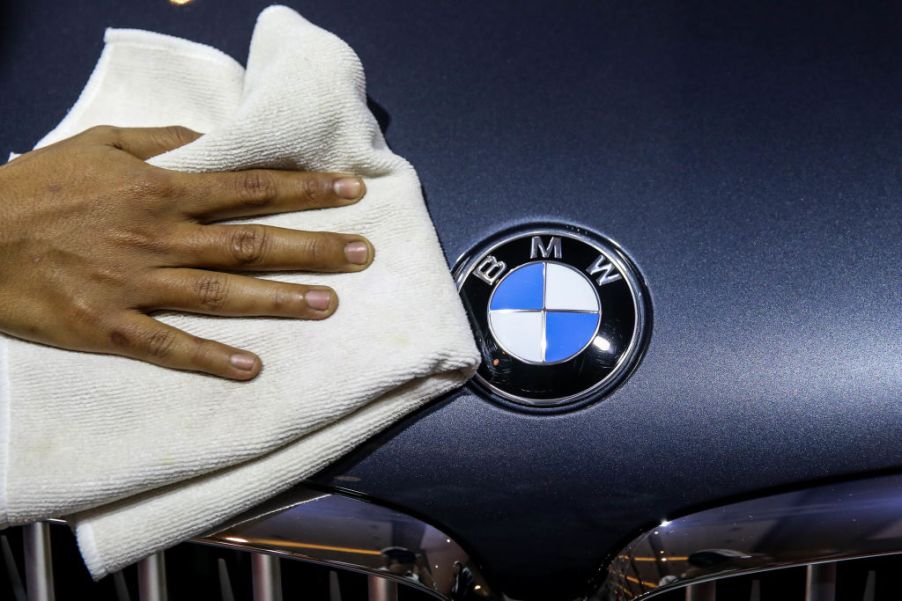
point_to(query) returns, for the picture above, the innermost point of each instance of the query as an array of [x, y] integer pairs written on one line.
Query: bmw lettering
[[560, 315]]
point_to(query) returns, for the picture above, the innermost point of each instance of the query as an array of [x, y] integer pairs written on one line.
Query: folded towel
[[139, 457]]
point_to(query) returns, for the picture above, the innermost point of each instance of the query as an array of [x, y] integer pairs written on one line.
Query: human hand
[[92, 239]]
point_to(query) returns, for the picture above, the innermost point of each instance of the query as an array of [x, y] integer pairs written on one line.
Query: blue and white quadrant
[[544, 312]]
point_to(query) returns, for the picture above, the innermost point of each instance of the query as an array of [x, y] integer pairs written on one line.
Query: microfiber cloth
[[139, 458]]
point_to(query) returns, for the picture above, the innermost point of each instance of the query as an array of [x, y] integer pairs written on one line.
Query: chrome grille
[[794, 545], [870, 579], [347, 548], [192, 572]]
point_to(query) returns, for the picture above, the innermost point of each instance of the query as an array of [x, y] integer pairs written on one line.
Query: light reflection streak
[[290, 544]]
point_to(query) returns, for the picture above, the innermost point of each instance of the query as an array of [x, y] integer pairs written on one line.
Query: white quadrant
[[568, 290], [520, 333]]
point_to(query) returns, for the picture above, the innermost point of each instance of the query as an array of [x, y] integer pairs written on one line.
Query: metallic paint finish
[[747, 153], [819, 525]]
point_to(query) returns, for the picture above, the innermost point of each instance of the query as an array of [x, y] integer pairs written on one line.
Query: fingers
[[146, 339], [260, 247], [229, 195], [218, 196], [144, 142], [214, 293]]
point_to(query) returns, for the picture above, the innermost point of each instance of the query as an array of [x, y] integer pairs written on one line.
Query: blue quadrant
[[520, 289], [567, 333]]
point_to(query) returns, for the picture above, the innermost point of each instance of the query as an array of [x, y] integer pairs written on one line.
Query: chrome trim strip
[[38, 562], [820, 582], [380, 589], [833, 522], [267, 577], [152, 578], [225, 582], [349, 533]]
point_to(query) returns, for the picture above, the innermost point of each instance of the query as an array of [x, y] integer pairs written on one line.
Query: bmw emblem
[[560, 315]]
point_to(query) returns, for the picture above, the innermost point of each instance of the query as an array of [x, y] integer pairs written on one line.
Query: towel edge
[[141, 37], [83, 525], [5, 426], [123, 37], [84, 535]]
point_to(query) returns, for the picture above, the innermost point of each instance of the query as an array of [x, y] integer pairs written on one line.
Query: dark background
[[745, 154]]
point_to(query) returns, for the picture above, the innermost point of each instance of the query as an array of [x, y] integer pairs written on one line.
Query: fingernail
[[318, 299], [349, 188], [243, 362], [357, 253]]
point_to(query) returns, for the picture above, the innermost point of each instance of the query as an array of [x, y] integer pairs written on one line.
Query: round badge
[[560, 315]]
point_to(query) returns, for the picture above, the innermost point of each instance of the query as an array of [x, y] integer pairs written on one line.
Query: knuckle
[[152, 184], [176, 135], [282, 298], [109, 276], [145, 240], [82, 311], [107, 135], [159, 343], [256, 188], [211, 291], [319, 249], [120, 338], [202, 352], [103, 131], [249, 244], [315, 189]]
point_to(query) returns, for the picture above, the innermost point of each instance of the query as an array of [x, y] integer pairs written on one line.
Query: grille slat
[[869, 579], [798, 544]]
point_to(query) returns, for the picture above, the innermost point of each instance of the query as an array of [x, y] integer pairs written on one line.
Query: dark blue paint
[[748, 155]]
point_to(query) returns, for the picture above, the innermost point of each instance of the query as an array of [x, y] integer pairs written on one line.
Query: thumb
[[145, 142]]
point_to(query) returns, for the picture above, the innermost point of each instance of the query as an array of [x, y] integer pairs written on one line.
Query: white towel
[[140, 457]]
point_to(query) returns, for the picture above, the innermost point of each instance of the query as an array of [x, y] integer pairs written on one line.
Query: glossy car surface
[[747, 157]]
